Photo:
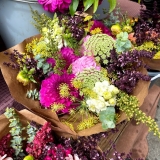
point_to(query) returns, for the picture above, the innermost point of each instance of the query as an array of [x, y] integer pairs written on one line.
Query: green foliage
[[112, 18], [42, 64], [25, 75], [16, 131], [31, 131], [89, 3], [107, 117], [100, 46], [40, 20], [34, 94], [73, 7], [122, 42], [130, 105], [112, 5]]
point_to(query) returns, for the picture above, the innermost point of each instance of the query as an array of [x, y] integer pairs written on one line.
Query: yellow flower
[[96, 31], [57, 106], [107, 95], [87, 18], [157, 55]]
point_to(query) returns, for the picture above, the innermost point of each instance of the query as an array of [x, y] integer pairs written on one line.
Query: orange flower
[[132, 38]]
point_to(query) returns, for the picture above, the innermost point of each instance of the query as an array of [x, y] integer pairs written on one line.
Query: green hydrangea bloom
[[89, 77]]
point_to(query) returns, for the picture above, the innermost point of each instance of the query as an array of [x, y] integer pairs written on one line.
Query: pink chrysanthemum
[[69, 56], [85, 62], [101, 26], [57, 89]]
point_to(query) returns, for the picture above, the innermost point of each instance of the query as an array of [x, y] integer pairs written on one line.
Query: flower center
[[64, 90]]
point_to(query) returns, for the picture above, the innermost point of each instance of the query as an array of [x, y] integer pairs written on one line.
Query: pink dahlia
[[55, 5], [100, 25], [85, 62], [69, 56], [57, 89]]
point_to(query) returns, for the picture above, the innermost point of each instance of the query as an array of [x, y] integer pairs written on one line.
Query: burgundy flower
[[99, 24]]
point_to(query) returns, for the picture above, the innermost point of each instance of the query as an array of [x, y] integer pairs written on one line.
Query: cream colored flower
[[101, 87], [97, 105]]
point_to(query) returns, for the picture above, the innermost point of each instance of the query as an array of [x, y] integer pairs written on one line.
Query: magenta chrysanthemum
[[69, 56], [100, 25], [55, 5], [57, 89]]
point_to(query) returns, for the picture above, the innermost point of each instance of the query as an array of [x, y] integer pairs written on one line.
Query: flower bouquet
[[26, 136], [83, 75], [147, 35]]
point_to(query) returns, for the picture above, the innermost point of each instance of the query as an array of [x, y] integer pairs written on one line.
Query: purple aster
[[69, 56], [57, 89]]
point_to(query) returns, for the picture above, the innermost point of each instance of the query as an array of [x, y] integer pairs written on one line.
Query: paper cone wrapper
[[18, 92], [153, 64]]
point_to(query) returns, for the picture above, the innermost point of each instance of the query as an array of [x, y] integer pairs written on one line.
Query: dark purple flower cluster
[[124, 68], [4, 146], [75, 24], [148, 26]]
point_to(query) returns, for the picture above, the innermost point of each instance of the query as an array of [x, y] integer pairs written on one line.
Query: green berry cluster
[[130, 105]]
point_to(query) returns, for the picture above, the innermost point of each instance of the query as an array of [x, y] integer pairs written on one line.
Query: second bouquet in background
[[84, 76]]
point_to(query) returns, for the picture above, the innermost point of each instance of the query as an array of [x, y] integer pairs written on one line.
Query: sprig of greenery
[[34, 94], [130, 106], [31, 131], [107, 118], [16, 131], [42, 64]]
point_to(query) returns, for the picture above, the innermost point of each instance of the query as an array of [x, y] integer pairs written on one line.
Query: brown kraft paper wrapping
[[18, 92], [153, 64]]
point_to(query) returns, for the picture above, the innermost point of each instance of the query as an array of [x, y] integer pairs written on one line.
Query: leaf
[[73, 7], [88, 3], [112, 5], [95, 5], [39, 65], [107, 117]]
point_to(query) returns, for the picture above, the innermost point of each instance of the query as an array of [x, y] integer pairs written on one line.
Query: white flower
[[97, 105], [113, 89], [101, 87], [112, 101]]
